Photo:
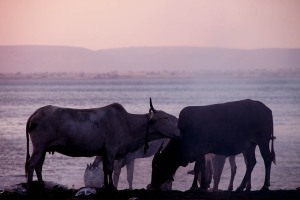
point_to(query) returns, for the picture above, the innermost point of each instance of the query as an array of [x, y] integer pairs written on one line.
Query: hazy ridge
[[145, 60]]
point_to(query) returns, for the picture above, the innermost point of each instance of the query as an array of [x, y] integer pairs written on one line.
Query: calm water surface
[[20, 98]]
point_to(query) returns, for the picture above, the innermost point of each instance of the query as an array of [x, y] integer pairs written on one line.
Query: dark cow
[[224, 129], [110, 132]]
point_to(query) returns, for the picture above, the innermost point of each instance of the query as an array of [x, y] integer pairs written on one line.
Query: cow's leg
[[108, 181], [214, 167], [37, 157], [130, 169], [233, 171], [118, 165], [196, 174], [203, 172], [250, 161], [108, 164], [199, 178], [39, 167], [208, 170], [111, 182], [218, 166], [199, 168], [116, 176], [104, 163], [266, 154], [248, 185]]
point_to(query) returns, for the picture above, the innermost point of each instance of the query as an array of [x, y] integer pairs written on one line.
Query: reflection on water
[[19, 99]]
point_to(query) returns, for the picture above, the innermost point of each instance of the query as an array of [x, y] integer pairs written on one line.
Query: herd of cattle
[[206, 135]]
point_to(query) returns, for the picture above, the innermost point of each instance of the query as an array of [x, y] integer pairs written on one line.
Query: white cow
[[94, 177]]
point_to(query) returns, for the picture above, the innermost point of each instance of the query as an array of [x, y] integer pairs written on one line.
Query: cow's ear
[[151, 115]]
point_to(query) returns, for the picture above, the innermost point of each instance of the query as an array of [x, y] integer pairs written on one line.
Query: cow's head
[[162, 123], [164, 166]]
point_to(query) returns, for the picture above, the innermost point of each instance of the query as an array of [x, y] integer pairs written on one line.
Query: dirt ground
[[59, 192]]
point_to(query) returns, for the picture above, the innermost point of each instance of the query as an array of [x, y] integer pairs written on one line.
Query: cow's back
[[57, 115], [219, 128], [85, 131]]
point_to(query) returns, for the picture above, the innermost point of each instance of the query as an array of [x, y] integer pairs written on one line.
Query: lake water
[[20, 98]]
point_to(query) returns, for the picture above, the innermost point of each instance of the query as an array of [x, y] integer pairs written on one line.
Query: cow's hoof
[[239, 189], [264, 189], [216, 190], [113, 188], [193, 188], [203, 189], [109, 188]]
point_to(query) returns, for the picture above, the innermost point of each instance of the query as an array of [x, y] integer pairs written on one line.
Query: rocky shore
[[52, 191]]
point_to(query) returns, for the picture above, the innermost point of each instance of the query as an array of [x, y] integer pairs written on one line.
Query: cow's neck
[[138, 126]]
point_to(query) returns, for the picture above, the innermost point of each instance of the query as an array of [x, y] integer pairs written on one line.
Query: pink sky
[[99, 24]]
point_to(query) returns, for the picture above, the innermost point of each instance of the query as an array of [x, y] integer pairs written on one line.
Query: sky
[[102, 24]]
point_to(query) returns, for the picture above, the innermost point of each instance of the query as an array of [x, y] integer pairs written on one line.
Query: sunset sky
[[100, 24]]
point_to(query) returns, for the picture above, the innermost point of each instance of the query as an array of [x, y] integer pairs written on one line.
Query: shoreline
[[54, 191]]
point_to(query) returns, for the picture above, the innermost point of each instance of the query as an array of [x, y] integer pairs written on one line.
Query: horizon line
[[137, 47]]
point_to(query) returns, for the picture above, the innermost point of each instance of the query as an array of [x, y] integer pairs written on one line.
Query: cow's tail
[[27, 145], [29, 127], [273, 157]]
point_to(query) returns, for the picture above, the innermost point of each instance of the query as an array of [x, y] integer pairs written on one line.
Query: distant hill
[[36, 59]]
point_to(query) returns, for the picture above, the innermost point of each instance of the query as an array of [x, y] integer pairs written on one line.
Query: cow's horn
[[161, 147], [151, 106]]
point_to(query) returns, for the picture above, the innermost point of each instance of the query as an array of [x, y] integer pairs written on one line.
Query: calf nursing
[[93, 175]]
